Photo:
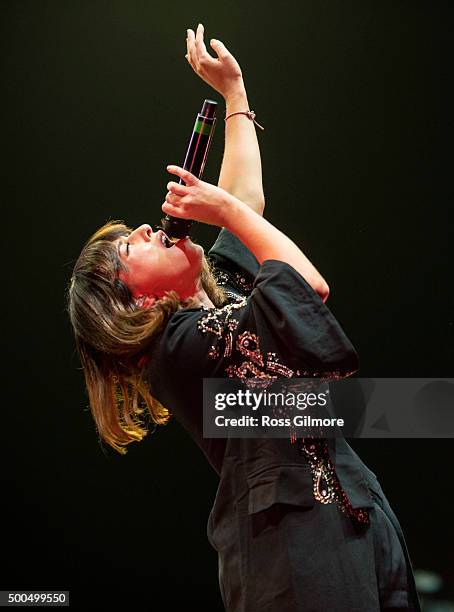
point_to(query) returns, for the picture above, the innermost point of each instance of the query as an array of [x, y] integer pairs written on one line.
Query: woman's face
[[152, 268]]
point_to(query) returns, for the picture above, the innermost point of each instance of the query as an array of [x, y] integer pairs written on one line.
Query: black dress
[[298, 526]]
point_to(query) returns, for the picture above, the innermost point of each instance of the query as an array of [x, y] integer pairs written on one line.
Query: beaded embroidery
[[257, 371], [232, 295], [222, 278], [218, 321], [242, 280], [243, 283], [326, 485]]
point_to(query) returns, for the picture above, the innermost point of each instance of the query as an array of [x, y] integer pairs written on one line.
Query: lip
[[159, 235]]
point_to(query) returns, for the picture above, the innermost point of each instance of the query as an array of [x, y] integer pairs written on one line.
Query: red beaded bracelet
[[250, 114]]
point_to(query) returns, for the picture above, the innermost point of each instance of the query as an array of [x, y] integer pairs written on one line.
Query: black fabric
[[279, 548], [229, 253], [311, 559]]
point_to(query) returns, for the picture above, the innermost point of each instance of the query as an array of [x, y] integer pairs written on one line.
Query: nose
[[143, 232]]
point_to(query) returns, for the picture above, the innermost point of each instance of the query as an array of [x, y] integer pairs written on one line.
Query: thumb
[[218, 46]]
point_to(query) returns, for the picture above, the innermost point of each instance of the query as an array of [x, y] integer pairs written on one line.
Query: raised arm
[[210, 204], [241, 170]]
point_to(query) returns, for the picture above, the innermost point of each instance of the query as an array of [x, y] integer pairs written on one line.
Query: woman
[[298, 525]]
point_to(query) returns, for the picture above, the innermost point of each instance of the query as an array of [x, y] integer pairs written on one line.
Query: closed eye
[[126, 249]]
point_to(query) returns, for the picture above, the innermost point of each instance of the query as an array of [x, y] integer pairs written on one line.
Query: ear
[[145, 301]]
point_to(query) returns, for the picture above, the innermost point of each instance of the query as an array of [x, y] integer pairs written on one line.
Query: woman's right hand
[[222, 73], [198, 200]]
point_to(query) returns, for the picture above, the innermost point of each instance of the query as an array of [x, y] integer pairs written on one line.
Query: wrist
[[234, 213], [236, 96]]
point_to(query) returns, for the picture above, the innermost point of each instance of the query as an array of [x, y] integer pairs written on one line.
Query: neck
[[200, 296]]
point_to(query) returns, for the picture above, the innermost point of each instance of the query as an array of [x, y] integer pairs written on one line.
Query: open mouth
[[164, 239]]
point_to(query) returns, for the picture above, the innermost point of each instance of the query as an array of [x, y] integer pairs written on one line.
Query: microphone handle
[[194, 162]]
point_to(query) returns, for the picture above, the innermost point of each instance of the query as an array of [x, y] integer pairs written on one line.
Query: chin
[[193, 254], [192, 250], [199, 248]]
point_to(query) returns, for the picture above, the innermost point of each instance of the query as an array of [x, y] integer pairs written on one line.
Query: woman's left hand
[[222, 73]]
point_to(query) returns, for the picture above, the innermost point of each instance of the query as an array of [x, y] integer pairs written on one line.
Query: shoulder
[[237, 269], [234, 265], [195, 320], [187, 322], [191, 339]]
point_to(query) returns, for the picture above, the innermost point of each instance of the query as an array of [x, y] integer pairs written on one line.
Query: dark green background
[[356, 159]]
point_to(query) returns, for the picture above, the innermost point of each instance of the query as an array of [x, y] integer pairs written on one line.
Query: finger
[[187, 177], [174, 211], [176, 188], [177, 201], [219, 48], [171, 198], [192, 51], [189, 43], [201, 50], [170, 209]]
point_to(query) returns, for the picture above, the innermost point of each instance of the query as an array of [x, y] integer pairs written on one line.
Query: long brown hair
[[113, 336]]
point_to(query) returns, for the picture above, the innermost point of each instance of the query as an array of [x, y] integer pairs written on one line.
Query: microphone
[[194, 162]]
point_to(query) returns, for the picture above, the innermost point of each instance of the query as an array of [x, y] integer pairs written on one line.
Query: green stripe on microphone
[[202, 127]]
